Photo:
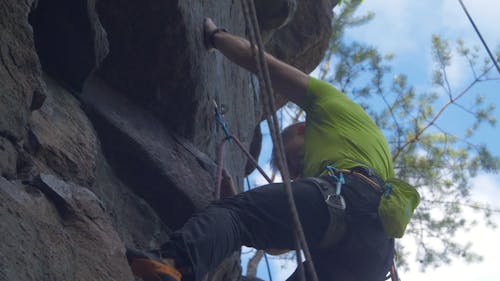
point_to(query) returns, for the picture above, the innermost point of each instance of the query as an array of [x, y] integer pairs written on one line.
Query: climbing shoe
[[151, 268]]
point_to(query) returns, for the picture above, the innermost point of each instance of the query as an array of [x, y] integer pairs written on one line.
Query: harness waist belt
[[368, 176]]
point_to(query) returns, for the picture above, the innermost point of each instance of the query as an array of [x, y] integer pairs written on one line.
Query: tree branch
[[438, 114]]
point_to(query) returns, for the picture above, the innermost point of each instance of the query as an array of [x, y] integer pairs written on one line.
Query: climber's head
[[293, 140]]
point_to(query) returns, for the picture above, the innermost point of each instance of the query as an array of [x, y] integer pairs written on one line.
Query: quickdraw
[[336, 200]]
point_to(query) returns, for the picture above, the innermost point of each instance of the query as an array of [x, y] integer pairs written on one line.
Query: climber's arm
[[286, 80]]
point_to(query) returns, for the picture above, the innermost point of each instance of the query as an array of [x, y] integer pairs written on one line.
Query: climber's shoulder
[[288, 81]]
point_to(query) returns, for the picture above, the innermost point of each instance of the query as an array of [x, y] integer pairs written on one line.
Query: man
[[346, 243]]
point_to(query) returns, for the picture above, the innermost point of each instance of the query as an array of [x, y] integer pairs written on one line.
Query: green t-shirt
[[340, 133]]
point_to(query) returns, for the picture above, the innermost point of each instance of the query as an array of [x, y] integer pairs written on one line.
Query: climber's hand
[[209, 25], [286, 79], [208, 28]]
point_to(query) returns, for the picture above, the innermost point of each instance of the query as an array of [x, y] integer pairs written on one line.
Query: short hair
[[286, 134]]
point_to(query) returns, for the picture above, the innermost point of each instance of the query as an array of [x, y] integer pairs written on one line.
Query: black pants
[[260, 218]]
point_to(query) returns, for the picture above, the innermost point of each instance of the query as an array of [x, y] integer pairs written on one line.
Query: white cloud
[[390, 19], [406, 28], [454, 25], [485, 242], [283, 268], [484, 14], [487, 189], [458, 72]]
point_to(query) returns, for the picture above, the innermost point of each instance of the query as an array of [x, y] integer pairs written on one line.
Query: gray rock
[[304, 40], [272, 15], [69, 38], [63, 140], [134, 220], [8, 158], [169, 176], [37, 100], [160, 63], [19, 68], [145, 62], [59, 234]]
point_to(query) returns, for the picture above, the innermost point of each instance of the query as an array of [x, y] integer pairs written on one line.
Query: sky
[[404, 28]]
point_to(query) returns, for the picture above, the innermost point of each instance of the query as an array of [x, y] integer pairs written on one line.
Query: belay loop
[[336, 200]]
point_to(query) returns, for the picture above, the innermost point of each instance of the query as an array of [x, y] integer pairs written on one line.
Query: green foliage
[[440, 164]]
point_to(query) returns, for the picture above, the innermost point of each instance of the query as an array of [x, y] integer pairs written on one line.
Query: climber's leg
[[259, 218]]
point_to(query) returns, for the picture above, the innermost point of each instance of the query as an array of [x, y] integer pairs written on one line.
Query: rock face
[[62, 139], [54, 230], [19, 69], [69, 39], [107, 128], [300, 43]]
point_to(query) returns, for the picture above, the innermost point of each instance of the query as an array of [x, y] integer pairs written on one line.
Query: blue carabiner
[[339, 180], [331, 172], [220, 119]]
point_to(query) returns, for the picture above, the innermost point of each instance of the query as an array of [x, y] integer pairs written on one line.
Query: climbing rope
[[394, 271], [479, 35], [272, 120], [219, 117]]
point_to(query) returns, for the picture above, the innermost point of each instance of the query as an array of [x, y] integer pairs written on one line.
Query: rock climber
[[337, 146]]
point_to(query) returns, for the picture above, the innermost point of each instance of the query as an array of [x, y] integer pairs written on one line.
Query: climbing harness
[[330, 185], [336, 210], [334, 199]]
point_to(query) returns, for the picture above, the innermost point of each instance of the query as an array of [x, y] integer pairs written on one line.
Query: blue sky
[[405, 28]]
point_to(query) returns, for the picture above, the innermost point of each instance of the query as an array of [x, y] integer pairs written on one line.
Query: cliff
[[107, 129]]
